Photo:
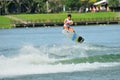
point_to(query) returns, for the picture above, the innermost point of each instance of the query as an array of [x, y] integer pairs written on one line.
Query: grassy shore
[[56, 17], [5, 22], [61, 16]]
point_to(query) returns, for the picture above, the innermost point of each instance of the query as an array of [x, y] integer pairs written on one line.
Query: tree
[[72, 4], [54, 5], [113, 3], [86, 4], [92, 1], [26, 6]]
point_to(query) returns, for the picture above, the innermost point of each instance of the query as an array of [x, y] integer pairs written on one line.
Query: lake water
[[46, 54]]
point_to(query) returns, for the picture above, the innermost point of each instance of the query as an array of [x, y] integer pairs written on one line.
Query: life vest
[[67, 24]]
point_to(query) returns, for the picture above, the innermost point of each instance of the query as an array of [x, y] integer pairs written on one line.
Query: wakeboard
[[73, 36]]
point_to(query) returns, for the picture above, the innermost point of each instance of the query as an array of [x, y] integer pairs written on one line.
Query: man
[[67, 23]]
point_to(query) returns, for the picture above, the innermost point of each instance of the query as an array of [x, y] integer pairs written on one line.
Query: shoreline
[[54, 20], [53, 24]]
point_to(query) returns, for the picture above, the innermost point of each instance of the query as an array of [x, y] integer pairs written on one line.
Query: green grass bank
[[61, 16], [6, 22]]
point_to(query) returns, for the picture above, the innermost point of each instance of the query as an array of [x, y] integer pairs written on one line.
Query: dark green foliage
[[72, 4], [41, 6], [113, 3]]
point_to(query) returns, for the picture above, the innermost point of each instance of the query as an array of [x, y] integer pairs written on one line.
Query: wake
[[57, 58]]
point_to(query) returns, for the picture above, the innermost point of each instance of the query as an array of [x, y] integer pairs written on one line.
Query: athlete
[[67, 23]]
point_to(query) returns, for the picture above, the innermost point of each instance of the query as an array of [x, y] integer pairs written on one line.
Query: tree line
[[46, 6]]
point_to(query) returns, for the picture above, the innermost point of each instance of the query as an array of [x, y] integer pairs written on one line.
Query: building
[[104, 6]]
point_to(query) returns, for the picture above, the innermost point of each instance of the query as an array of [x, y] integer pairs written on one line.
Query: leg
[[71, 29]]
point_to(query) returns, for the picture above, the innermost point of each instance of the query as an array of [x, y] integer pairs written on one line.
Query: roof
[[100, 2]]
